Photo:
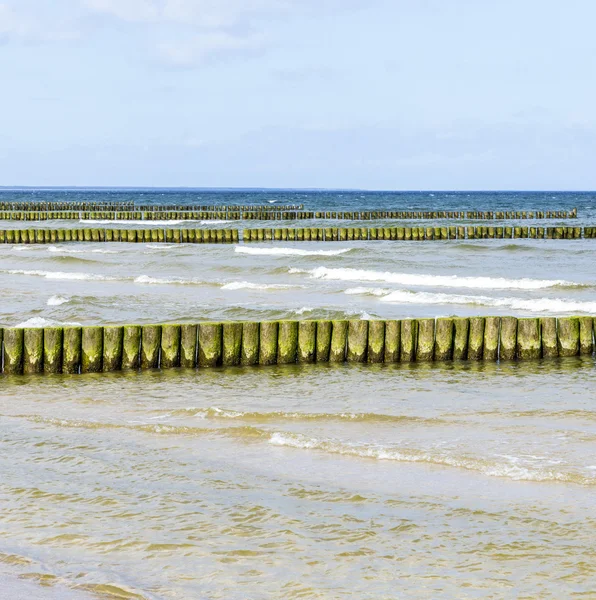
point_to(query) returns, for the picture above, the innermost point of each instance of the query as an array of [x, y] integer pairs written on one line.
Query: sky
[[369, 94]]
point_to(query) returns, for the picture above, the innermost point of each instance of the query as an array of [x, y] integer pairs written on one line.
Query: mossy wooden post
[[13, 350], [268, 343], [150, 345], [409, 340], [426, 340], [444, 339], [392, 341], [357, 340], [323, 339], [476, 338], [339, 340], [529, 344], [586, 339], [131, 347], [307, 341], [92, 349], [376, 342], [33, 350], [113, 341], [287, 342], [210, 344], [231, 344], [188, 346], [53, 338], [508, 338], [250, 343], [461, 326], [170, 346], [568, 336], [548, 331], [491, 338], [72, 350]]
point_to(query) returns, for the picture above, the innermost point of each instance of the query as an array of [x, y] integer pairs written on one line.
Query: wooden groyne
[[91, 349], [340, 234], [268, 214], [169, 236], [328, 234]]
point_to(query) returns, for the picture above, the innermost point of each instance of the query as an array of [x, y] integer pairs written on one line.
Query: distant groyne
[[94, 349], [168, 213]]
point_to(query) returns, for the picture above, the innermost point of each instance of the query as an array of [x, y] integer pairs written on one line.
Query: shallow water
[[316, 481], [306, 482]]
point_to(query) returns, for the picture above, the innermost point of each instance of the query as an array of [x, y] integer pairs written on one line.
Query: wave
[[80, 251], [41, 322], [147, 279], [162, 246], [416, 279], [507, 468], [248, 285], [289, 251], [550, 305], [60, 275], [57, 300], [216, 413], [215, 222]]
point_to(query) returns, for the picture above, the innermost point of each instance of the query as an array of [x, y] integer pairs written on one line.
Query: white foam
[[215, 222], [417, 279], [60, 275], [248, 285], [288, 251], [162, 246], [65, 250], [304, 309], [147, 279], [57, 300], [485, 466], [41, 322], [551, 305]]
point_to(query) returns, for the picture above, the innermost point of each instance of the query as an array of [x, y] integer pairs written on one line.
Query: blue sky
[[377, 94]]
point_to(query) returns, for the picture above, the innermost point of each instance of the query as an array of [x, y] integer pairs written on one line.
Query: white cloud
[[212, 29], [28, 27], [208, 47]]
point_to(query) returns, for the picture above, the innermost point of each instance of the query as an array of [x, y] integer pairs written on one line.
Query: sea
[[407, 481]]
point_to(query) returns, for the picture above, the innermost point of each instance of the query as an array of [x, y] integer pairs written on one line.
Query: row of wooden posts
[[328, 234], [267, 214], [131, 205], [132, 347]]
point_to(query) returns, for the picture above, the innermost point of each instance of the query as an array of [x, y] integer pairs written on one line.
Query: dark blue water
[[325, 199]]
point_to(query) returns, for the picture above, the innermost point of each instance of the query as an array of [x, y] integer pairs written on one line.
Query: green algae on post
[[287, 342], [529, 343], [491, 338], [188, 346], [92, 349], [307, 341], [476, 338], [113, 339], [231, 344], [339, 340], [33, 350], [376, 342], [548, 334], [444, 339], [568, 336], [460, 338], [268, 343], [170, 346], [210, 344], [508, 338], [13, 350], [392, 341], [426, 340], [131, 347], [150, 346], [409, 339], [323, 337], [53, 342]]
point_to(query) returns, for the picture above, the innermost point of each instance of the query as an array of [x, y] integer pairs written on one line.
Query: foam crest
[[248, 285], [57, 300], [66, 250], [539, 305], [42, 322], [424, 280], [147, 279], [62, 276], [494, 467], [289, 251]]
